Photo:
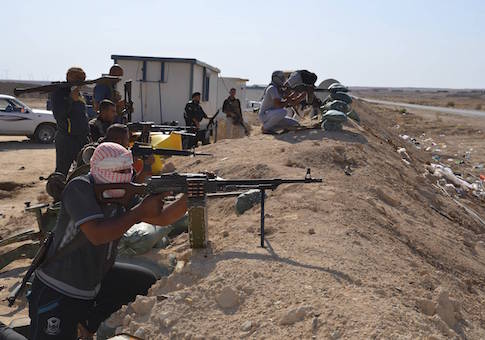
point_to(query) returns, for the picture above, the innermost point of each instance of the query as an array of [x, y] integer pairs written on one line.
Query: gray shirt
[[270, 94], [79, 272]]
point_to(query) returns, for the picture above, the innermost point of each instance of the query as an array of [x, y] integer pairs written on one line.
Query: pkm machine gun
[[196, 186]]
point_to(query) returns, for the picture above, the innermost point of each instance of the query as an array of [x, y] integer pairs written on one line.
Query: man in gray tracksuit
[[273, 114]]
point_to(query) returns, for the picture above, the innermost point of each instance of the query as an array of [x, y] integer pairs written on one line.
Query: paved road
[[449, 110]]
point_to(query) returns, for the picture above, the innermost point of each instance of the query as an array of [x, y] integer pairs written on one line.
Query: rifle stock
[[125, 194]]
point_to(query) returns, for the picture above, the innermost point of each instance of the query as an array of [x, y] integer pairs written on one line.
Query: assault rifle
[[141, 150], [128, 110], [146, 127], [196, 186], [209, 127], [60, 84], [140, 126], [36, 262]]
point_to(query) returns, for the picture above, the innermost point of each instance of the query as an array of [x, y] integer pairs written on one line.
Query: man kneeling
[[80, 283]]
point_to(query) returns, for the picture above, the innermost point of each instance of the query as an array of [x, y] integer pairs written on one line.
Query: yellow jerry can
[[160, 140]]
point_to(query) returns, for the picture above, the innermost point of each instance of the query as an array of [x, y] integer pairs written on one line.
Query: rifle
[[209, 127], [141, 150], [211, 119], [140, 126], [36, 262], [128, 110], [196, 186], [146, 127], [62, 84]]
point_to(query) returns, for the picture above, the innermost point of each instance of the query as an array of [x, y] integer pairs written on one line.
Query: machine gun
[[128, 110], [196, 186], [62, 84]]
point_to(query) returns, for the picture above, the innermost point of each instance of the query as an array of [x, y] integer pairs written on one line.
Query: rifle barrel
[[147, 150]]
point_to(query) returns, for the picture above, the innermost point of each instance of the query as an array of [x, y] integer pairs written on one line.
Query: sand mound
[[376, 251]]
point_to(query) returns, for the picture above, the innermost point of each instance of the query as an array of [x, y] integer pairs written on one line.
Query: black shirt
[[70, 115], [193, 110], [79, 273]]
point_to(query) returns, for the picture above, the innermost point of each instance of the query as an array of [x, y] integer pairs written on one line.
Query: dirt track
[[378, 254]]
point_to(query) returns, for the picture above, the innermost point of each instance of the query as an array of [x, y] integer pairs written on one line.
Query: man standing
[[272, 113], [232, 108], [193, 115], [107, 90], [79, 283], [69, 110], [106, 116]]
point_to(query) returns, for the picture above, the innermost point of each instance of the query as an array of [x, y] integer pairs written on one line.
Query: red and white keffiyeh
[[111, 163]]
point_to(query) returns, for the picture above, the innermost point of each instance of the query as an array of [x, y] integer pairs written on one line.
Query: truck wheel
[[45, 133]]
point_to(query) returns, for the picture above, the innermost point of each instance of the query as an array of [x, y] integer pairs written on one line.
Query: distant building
[[162, 86], [254, 92]]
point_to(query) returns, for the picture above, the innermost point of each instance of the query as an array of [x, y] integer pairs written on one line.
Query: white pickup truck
[[18, 119]]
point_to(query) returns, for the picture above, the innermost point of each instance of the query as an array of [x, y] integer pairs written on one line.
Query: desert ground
[[377, 251], [460, 99]]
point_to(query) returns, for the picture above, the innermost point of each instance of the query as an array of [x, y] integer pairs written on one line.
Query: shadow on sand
[[318, 135], [273, 256], [25, 144]]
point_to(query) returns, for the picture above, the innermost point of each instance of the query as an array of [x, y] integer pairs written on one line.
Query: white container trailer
[[162, 86]]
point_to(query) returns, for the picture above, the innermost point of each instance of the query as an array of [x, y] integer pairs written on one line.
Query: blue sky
[[369, 43]]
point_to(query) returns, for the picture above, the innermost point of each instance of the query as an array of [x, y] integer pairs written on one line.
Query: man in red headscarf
[[79, 282]]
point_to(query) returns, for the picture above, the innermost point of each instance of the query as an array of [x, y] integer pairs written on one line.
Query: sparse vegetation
[[403, 111], [450, 104], [478, 107]]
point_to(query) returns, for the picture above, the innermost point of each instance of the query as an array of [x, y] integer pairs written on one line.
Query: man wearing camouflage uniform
[[234, 122]]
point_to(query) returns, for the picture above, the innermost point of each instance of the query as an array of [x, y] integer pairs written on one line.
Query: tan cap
[[75, 74], [116, 71]]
